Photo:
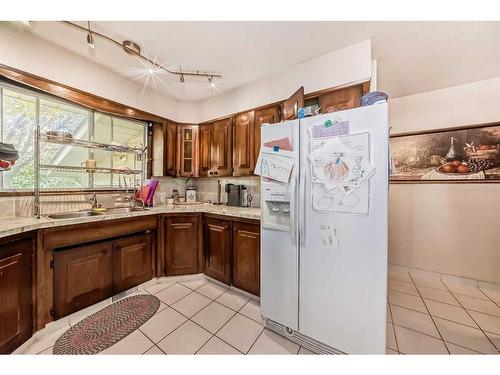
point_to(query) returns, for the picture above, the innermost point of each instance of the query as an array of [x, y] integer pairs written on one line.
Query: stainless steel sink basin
[[109, 211], [73, 215]]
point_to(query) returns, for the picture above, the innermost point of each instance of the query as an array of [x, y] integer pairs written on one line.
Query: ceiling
[[412, 56]]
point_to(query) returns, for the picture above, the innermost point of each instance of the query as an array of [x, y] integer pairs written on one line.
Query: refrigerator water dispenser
[[276, 207]]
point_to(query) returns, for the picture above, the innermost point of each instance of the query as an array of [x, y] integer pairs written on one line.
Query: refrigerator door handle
[[302, 208], [293, 191]]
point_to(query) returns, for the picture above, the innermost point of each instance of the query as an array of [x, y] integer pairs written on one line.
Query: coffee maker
[[234, 194]]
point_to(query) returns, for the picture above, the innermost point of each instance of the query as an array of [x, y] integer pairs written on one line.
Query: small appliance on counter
[[246, 197], [234, 194], [190, 194]]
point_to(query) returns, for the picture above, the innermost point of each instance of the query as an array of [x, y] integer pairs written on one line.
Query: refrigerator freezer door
[[279, 248], [343, 256]]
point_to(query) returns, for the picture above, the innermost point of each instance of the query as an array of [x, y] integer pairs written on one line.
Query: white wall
[[348, 65], [447, 228], [25, 51]]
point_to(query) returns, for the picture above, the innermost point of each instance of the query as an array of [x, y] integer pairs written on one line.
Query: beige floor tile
[[217, 346], [272, 343], [403, 287], [389, 318], [437, 295], [411, 342], [191, 304], [194, 284], [135, 343], [241, 332], [252, 310], [492, 292], [304, 351], [213, 317], [47, 351], [173, 293], [154, 351], [487, 322], [407, 300], [434, 283], [450, 312], [390, 351], [233, 300], [466, 290], [154, 289], [390, 337], [186, 339], [399, 275], [465, 336], [414, 320], [456, 349], [211, 290], [480, 305], [495, 339], [41, 343], [162, 324]]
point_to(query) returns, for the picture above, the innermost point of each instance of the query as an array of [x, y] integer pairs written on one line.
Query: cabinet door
[[222, 148], [246, 257], [171, 150], [82, 277], [217, 246], [187, 154], [243, 140], [183, 245], [268, 115], [15, 296], [339, 100], [205, 150], [290, 107], [132, 261]]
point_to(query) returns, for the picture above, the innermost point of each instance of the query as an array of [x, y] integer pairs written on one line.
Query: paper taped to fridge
[[274, 165]]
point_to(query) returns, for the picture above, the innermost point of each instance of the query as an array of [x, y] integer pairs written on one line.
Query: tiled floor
[[433, 314], [427, 314]]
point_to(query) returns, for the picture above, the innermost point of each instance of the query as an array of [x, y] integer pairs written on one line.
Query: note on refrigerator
[[275, 165]]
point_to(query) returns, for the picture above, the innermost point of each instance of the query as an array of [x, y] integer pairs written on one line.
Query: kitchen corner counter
[[16, 225]]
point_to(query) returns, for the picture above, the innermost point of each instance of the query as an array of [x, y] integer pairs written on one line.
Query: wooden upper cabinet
[[244, 140], [82, 277], [338, 100], [183, 245], [222, 148], [15, 294], [206, 132], [217, 249], [187, 152], [268, 115], [246, 257], [171, 150], [158, 149], [290, 107], [132, 261]]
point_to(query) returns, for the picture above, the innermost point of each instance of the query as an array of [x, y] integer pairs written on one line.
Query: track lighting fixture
[[90, 38], [135, 50]]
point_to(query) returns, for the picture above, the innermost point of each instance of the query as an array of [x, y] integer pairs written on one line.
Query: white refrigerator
[[324, 230]]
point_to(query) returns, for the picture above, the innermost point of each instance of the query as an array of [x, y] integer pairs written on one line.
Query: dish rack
[[67, 140]]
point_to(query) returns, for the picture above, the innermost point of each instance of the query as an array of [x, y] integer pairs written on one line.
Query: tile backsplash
[[206, 189]]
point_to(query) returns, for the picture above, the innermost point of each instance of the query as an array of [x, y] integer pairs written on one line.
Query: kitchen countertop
[[15, 225]]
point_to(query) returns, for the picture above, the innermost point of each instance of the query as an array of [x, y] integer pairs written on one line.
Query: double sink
[[87, 213]]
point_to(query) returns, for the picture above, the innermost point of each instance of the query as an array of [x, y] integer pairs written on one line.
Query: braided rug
[[106, 327]]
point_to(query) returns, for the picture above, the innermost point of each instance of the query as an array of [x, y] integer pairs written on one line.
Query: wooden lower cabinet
[[132, 261], [16, 308], [82, 277], [246, 257], [217, 249], [183, 244]]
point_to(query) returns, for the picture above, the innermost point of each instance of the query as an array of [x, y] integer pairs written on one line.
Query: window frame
[[38, 94]]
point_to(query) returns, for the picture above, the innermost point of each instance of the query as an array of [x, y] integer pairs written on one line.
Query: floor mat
[[106, 327]]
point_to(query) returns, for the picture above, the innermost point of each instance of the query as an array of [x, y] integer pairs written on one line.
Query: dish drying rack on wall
[[68, 140]]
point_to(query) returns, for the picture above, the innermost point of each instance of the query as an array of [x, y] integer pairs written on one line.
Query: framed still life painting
[[467, 154]]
